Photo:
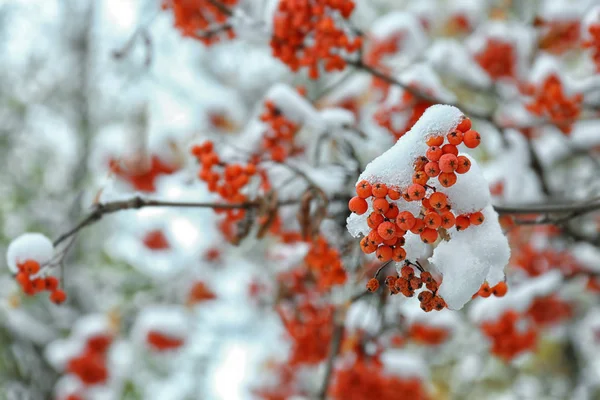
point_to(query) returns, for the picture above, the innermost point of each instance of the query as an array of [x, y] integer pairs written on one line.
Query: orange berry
[[448, 163], [22, 279], [38, 284], [393, 212], [438, 200], [447, 179], [358, 205], [418, 227], [372, 285], [434, 153], [425, 203], [448, 220], [374, 219], [450, 149], [366, 246], [398, 254], [420, 178], [387, 230], [435, 141], [405, 220], [476, 218], [416, 192], [407, 272], [429, 235], [384, 253], [464, 125], [381, 205], [432, 169], [363, 189], [455, 137], [420, 162], [462, 223], [375, 238], [58, 296], [464, 165], [500, 289], [472, 139], [394, 194], [433, 220], [30, 267], [379, 190]]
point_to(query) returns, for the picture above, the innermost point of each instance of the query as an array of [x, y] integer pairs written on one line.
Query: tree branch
[[334, 348]]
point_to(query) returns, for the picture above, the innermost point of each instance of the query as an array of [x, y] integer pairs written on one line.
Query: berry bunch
[[384, 116], [140, 175], [325, 263], [159, 341], [549, 310], [499, 290], [593, 43], [497, 59], [507, 339], [200, 292], [558, 37], [278, 141], [228, 180], [305, 34], [367, 378], [156, 240], [90, 366], [201, 19], [550, 101], [31, 283], [389, 225], [429, 335], [309, 327]]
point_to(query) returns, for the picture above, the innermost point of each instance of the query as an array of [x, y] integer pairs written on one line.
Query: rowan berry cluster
[[325, 263], [159, 341], [550, 101], [593, 43], [367, 378], [498, 59], [407, 283], [31, 283], [310, 327], [90, 365], [384, 117], [228, 180], [549, 310], [389, 225], [156, 240], [200, 292], [142, 176], [278, 141], [507, 339], [306, 34], [558, 37], [499, 290], [429, 335], [201, 19]]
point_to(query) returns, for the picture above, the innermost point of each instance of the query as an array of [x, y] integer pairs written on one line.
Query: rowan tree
[[307, 199]]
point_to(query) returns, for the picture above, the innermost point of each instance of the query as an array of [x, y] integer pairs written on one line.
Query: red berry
[[464, 165], [58, 296], [358, 205], [464, 125], [471, 139], [448, 163], [379, 190], [363, 189], [434, 153]]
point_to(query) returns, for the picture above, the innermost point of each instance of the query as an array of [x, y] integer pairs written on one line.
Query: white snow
[[29, 246]]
